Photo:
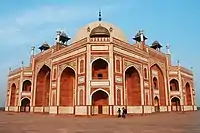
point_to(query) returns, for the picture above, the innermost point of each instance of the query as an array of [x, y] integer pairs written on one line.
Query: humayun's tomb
[[99, 72]]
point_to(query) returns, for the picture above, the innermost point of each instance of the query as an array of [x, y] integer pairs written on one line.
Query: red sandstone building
[[99, 72]]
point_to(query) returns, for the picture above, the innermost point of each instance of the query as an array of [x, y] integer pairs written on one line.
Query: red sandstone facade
[[98, 73]]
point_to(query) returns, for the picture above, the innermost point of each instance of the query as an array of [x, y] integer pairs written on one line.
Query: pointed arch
[[43, 87], [160, 84], [25, 105], [67, 85], [100, 97], [13, 94], [100, 69], [133, 86], [188, 94], [175, 103], [174, 86], [155, 83], [26, 85]]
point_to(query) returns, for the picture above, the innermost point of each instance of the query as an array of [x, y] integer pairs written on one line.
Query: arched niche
[[67, 85], [175, 103], [25, 105], [174, 85], [155, 83], [13, 94], [43, 87], [100, 99], [99, 69], [188, 94], [132, 84], [160, 83], [26, 85]]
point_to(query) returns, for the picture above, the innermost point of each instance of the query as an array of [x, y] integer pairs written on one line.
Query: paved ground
[[156, 123]]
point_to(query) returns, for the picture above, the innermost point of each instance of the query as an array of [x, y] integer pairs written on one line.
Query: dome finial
[[100, 15]]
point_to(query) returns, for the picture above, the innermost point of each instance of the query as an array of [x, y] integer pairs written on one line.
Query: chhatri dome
[[100, 29]]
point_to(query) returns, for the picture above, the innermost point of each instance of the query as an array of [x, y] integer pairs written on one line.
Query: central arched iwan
[[43, 87], [132, 83], [160, 84], [99, 69], [13, 94], [67, 84]]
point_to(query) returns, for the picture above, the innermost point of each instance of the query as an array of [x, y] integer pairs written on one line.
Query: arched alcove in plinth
[[67, 84], [99, 99], [25, 105], [43, 87], [175, 103], [160, 83], [132, 84]]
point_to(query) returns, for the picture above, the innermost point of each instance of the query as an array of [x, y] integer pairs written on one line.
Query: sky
[[26, 23]]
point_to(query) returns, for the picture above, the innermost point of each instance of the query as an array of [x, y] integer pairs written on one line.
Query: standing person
[[119, 112], [123, 113]]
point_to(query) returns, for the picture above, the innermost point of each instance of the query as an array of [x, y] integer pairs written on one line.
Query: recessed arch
[[43, 87], [133, 86], [156, 70], [174, 86], [42, 66], [188, 94], [175, 103], [13, 94], [67, 85], [156, 104], [65, 68], [99, 89], [26, 85], [99, 99], [25, 105], [155, 83], [100, 69], [175, 96], [99, 58]]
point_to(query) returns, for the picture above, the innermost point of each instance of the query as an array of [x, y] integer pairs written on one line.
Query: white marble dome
[[114, 31]]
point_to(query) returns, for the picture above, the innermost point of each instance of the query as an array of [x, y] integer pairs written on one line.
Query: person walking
[[124, 112], [119, 112]]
